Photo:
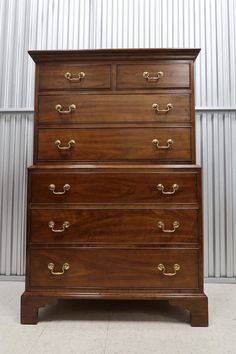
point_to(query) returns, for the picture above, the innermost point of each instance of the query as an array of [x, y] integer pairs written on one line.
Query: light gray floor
[[118, 327]]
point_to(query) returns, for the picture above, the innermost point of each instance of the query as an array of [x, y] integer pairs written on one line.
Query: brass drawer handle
[[162, 269], [161, 188], [161, 226], [65, 225], [79, 76], [64, 267], [168, 108], [52, 188], [147, 76], [69, 145], [169, 143], [71, 108]]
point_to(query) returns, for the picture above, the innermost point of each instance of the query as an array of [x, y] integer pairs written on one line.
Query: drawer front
[[113, 226], [114, 268], [74, 76], [132, 76], [115, 144], [114, 187], [114, 108]]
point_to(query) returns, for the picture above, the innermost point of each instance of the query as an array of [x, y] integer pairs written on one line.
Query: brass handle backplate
[[69, 144], [161, 226], [64, 267], [52, 188], [71, 108], [162, 269], [65, 225], [79, 76], [169, 107], [161, 188], [169, 143], [146, 75]]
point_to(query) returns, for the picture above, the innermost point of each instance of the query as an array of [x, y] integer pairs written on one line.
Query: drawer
[[100, 187], [115, 144], [153, 76], [114, 268], [60, 76], [84, 108], [113, 226]]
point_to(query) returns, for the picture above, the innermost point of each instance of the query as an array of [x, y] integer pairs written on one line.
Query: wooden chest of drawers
[[114, 195]]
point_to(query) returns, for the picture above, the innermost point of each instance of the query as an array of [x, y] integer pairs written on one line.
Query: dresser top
[[121, 54]]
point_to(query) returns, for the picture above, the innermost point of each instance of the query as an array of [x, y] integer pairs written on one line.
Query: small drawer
[[115, 144], [114, 187], [113, 226], [114, 268], [158, 108], [153, 76], [74, 76]]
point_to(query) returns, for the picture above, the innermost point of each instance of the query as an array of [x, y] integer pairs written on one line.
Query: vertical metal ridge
[[215, 147], [14, 158], [233, 134], [81, 24], [78, 24]]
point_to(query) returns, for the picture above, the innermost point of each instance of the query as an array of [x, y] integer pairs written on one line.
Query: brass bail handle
[[71, 108], [161, 188], [65, 225], [69, 144], [168, 108], [169, 143], [161, 226], [162, 269], [64, 267], [146, 75], [77, 77], [52, 188]]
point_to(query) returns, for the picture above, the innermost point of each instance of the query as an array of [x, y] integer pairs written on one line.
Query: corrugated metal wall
[[77, 24]]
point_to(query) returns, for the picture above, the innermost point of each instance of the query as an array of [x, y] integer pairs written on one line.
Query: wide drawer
[[113, 226], [84, 108], [114, 268], [153, 76], [99, 187], [60, 76], [115, 144]]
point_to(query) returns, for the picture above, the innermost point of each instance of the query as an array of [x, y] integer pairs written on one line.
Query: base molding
[[212, 280], [196, 304]]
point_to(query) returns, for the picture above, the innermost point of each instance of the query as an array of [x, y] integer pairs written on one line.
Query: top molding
[[121, 54]]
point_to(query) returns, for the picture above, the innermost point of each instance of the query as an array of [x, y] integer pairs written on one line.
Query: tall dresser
[[114, 195]]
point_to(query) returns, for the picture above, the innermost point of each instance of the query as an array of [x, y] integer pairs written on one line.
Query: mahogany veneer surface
[[114, 207], [114, 225], [116, 186], [114, 268], [115, 108], [114, 144]]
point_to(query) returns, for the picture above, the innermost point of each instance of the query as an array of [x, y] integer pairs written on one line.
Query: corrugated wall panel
[[16, 144], [216, 134], [77, 24]]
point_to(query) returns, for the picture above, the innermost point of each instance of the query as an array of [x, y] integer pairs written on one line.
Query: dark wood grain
[[176, 75], [113, 226], [113, 243], [52, 76], [115, 144], [114, 187], [114, 108], [114, 268]]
